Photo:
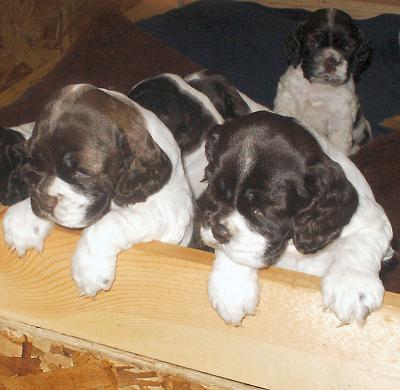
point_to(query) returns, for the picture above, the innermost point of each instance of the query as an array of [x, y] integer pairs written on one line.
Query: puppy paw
[[351, 295], [92, 272], [23, 230], [234, 294]]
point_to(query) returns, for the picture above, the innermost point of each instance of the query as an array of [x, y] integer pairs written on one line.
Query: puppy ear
[[293, 45], [233, 105], [145, 168], [212, 141], [332, 202], [362, 58]]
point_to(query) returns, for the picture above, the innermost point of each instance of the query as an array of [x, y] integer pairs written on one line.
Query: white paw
[[92, 272], [233, 291], [23, 230], [352, 295]]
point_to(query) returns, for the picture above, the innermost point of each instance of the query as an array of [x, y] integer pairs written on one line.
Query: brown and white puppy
[[327, 53], [281, 194], [102, 162], [189, 115]]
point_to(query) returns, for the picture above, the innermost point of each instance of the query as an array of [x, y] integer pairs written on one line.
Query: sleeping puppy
[[102, 162], [327, 53], [12, 158], [281, 194], [190, 107], [223, 94], [189, 115]]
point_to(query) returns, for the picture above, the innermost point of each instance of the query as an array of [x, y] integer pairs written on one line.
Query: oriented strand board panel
[[158, 308]]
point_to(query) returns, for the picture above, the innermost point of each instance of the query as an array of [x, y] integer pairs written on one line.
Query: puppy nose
[[221, 233], [330, 64], [44, 201]]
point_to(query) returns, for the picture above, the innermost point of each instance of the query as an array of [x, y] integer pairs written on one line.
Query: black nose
[[42, 202], [221, 233], [330, 64]]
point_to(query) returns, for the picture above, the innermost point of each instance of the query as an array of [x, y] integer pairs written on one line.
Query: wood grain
[[158, 308]]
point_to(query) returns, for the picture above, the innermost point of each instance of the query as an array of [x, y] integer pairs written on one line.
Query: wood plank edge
[[120, 356]]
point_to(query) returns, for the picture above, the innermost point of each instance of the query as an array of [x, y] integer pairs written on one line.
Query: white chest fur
[[331, 110]]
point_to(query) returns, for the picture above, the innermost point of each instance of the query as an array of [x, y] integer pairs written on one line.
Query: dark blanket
[[117, 54], [245, 41]]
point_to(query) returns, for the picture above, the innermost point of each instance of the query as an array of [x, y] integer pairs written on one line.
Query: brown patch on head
[[149, 168]]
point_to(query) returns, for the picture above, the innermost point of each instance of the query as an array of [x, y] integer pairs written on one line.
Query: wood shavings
[[35, 363]]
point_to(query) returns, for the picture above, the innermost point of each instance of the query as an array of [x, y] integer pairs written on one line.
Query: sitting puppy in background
[[102, 162], [327, 53], [281, 194], [12, 158]]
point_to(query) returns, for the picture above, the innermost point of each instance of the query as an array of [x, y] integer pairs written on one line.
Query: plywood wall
[[34, 33]]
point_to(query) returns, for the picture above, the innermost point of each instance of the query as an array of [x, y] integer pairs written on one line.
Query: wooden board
[[158, 308]]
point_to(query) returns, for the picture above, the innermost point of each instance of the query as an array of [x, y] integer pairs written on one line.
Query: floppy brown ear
[[146, 167], [333, 200]]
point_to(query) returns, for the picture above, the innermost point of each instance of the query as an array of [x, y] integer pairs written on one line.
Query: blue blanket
[[245, 41]]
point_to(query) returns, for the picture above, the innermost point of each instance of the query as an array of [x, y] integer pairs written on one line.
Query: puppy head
[[271, 171], [221, 91], [89, 148], [329, 47], [185, 111], [12, 158]]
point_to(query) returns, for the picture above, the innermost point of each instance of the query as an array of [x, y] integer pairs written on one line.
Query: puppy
[[101, 162], [189, 115], [12, 159], [327, 53], [190, 107], [281, 194]]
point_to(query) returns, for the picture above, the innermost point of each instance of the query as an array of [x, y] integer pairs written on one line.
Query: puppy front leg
[[351, 287], [23, 230], [232, 289], [94, 262]]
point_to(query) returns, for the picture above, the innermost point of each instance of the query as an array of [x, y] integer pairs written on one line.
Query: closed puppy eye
[[70, 162], [81, 172]]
